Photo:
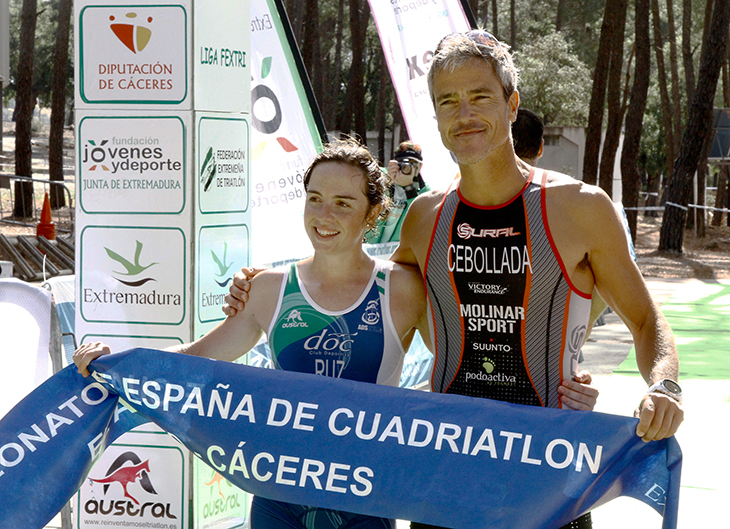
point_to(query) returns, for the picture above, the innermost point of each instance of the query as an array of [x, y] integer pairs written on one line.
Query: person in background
[[527, 131], [404, 172]]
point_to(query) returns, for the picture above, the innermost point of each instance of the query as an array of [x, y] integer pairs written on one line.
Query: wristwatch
[[667, 387]]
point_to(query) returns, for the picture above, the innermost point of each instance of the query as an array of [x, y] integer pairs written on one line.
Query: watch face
[[672, 386]]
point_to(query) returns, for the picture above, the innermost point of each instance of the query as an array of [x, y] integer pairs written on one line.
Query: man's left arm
[[619, 281]]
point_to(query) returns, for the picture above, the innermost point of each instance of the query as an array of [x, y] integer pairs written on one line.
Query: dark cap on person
[[408, 149]]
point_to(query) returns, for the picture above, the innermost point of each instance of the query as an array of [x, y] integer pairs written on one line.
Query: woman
[[339, 313]]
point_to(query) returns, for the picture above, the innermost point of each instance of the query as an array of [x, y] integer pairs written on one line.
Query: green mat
[[699, 314]]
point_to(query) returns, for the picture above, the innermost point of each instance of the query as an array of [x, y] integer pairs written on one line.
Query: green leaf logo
[[131, 268]]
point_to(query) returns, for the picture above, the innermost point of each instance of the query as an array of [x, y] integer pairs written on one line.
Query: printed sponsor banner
[[133, 275], [221, 54], [222, 251], [123, 342], [441, 459], [132, 164], [139, 481], [284, 139], [223, 182], [134, 54], [409, 32]]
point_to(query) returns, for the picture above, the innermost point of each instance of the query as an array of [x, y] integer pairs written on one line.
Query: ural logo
[[222, 266], [268, 124], [133, 36], [208, 170], [371, 315], [294, 316], [465, 231], [123, 474], [97, 152], [132, 268]]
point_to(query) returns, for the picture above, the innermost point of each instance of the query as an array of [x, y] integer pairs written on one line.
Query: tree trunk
[[559, 15], [687, 62], [512, 24], [24, 104], [58, 103], [630, 176], [700, 118], [664, 94], [495, 19], [674, 70], [653, 185], [615, 115], [310, 47], [358, 29], [295, 11], [335, 94], [382, 104], [721, 194], [598, 95], [702, 173]]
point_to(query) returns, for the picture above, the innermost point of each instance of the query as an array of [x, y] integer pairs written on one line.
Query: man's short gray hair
[[457, 48]]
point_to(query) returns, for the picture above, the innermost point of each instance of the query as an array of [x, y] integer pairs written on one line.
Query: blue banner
[[441, 459]]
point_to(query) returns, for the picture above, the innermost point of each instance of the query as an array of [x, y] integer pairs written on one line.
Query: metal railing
[[62, 217]]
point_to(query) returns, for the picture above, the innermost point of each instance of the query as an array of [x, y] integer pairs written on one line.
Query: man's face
[[472, 114]]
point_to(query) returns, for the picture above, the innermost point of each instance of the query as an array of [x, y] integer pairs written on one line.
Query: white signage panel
[[132, 54], [221, 55], [139, 481], [118, 343], [222, 156], [132, 164], [222, 251], [132, 275]]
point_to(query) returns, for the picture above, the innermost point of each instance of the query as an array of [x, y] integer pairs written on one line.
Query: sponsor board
[[217, 503], [221, 56], [284, 139], [132, 275], [139, 481], [222, 251], [133, 55], [222, 163], [131, 164]]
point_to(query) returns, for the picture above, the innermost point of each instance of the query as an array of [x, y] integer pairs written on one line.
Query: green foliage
[[45, 42], [555, 83]]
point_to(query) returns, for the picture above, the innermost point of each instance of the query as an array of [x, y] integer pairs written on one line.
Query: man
[[510, 258], [527, 139], [404, 172]]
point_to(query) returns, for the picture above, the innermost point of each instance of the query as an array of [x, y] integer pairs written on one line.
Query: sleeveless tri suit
[[508, 323], [358, 343]]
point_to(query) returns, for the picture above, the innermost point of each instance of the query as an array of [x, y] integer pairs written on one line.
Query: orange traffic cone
[[45, 227]]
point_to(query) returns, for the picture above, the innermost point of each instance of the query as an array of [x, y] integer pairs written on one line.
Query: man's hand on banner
[[88, 352], [659, 417], [578, 394], [238, 291]]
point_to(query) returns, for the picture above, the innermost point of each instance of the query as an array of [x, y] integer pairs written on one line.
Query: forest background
[[578, 62]]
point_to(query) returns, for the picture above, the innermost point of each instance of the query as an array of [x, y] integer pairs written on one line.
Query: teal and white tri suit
[[358, 343]]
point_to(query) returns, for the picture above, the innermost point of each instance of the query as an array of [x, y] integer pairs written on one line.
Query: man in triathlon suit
[[513, 254]]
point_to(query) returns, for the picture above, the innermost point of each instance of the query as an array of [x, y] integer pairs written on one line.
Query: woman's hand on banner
[[88, 352]]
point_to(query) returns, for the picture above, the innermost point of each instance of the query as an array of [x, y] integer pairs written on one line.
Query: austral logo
[[132, 268], [133, 35], [219, 503], [130, 475], [294, 319]]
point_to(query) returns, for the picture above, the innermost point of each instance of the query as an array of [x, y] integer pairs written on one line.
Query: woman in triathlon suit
[[339, 313]]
